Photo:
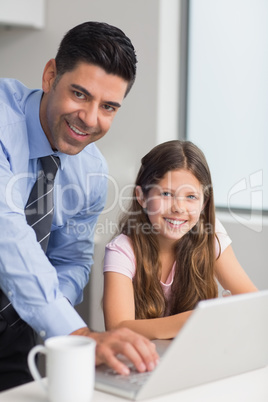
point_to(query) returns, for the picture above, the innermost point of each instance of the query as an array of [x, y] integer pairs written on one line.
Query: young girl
[[170, 251]]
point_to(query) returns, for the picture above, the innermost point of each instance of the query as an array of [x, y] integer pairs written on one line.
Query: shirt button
[[42, 333], [9, 293]]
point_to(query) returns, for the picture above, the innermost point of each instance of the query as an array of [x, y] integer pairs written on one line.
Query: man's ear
[[140, 196], [49, 75]]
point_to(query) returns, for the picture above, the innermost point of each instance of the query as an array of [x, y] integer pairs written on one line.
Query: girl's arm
[[231, 275], [119, 310]]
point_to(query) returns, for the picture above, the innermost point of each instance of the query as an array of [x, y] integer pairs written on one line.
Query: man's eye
[[109, 108], [79, 95]]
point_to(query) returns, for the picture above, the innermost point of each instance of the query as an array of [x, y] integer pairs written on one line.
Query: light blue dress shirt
[[43, 289]]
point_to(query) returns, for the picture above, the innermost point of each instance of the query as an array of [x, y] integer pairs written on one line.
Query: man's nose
[[89, 115]]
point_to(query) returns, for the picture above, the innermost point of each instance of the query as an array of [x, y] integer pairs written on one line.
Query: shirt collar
[[38, 143]]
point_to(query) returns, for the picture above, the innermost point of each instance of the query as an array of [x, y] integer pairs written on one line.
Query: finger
[[107, 355], [148, 353], [130, 355], [142, 353], [117, 365], [136, 348]]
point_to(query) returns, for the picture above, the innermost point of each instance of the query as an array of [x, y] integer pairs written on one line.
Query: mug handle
[[32, 365]]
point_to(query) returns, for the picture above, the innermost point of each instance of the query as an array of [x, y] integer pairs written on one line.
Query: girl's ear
[[140, 196], [49, 75]]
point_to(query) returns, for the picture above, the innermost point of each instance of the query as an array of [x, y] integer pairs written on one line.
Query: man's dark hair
[[99, 44]]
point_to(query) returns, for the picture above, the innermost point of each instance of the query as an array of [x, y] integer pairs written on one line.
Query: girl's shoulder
[[119, 242], [222, 236], [119, 256]]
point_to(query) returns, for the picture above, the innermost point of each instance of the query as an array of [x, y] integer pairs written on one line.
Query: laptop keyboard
[[134, 376]]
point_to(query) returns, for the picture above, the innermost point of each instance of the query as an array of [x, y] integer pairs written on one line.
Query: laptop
[[223, 337]]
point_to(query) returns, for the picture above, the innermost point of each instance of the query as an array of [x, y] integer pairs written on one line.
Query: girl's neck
[[166, 246], [167, 259]]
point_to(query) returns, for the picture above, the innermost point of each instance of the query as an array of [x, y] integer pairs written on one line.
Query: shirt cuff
[[57, 318], [70, 294]]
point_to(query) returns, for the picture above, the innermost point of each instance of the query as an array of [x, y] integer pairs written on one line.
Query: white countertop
[[248, 387]]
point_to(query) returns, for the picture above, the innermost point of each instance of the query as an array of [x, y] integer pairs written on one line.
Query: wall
[[249, 234], [148, 115], [228, 97]]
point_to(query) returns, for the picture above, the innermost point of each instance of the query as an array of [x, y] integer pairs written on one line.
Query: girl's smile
[[174, 222]]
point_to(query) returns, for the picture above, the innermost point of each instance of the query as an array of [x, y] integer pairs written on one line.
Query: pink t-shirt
[[119, 256]]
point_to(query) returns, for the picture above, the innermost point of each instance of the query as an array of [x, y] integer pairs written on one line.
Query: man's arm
[[26, 276]]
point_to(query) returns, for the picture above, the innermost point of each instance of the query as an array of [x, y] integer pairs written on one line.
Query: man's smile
[[76, 130]]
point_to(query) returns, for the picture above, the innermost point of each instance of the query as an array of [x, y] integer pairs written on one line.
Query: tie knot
[[50, 166]]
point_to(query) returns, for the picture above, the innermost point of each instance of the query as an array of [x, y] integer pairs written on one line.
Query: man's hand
[[138, 349]]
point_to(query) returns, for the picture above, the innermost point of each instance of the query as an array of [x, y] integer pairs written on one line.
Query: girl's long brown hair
[[195, 252]]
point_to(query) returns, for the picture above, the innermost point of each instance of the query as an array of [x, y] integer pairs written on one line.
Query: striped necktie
[[39, 214], [40, 206]]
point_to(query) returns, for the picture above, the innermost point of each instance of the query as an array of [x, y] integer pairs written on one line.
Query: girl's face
[[173, 205]]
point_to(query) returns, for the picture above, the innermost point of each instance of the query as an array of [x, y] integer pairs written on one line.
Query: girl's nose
[[178, 205]]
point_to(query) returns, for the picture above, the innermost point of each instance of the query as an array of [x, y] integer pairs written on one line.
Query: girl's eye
[[166, 194], [79, 95], [192, 197]]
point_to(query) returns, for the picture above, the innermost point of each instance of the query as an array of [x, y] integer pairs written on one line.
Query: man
[[83, 88]]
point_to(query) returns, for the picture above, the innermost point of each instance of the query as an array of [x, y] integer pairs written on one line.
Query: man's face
[[80, 108]]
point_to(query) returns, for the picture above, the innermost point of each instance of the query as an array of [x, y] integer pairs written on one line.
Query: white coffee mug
[[70, 368]]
